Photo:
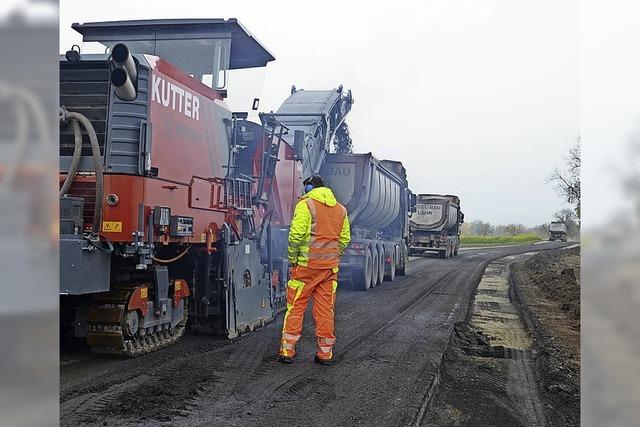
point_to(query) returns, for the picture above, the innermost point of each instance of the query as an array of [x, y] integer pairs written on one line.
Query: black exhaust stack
[[124, 74]]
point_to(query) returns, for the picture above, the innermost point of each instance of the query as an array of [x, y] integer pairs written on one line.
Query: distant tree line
[[483, 228]]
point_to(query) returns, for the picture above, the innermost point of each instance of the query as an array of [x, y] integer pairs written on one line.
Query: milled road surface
[[390, 344]]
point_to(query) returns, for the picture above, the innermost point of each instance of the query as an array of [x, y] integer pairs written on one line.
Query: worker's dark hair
[[315, 180]]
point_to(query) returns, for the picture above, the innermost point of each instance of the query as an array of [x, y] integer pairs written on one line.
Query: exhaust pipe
[[122, 84], [123, 59], [124, 73]]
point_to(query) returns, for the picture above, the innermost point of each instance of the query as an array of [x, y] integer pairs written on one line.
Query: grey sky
[[477, 98]]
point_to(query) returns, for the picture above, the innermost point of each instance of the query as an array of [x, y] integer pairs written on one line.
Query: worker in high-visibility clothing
[[318, 236]]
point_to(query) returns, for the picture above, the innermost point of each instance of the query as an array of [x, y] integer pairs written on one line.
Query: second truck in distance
[[557, 231], [435, 226]]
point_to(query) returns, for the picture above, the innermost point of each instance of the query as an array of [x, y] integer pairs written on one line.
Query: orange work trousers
[[307, 283]]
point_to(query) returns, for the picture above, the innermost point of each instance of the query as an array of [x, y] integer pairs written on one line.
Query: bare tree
[[565, 215], [465, 229], [567, 182], [481, 228], [515, 229], [541, 231]]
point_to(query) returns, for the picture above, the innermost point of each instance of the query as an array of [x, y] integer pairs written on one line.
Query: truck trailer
[[379, 202], [557, 231], [435, 227]]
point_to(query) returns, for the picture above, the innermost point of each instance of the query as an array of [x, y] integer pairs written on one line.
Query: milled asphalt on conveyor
[[390, 344]]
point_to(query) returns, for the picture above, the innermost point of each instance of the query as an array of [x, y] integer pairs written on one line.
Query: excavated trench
[[488, 376]]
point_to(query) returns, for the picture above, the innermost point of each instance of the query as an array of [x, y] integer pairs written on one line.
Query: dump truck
[[557, 231], [379, 202], [435, 226]]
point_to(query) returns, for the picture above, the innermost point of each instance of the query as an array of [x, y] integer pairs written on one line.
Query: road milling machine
[[162, 217]]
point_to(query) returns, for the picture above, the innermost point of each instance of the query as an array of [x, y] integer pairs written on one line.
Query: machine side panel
[[127, 129], [190, 132], [83, 269], [160, 193]]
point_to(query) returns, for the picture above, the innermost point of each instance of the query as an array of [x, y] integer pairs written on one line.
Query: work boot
[[320, 361], [285, 359]]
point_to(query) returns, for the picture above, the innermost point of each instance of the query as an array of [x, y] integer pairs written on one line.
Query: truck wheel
[[381, 264], [362, 276], [455, 251], [402, 269], [392, 267], [374, 270]]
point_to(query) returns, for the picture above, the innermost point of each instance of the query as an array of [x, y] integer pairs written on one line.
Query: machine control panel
[[181, 226]]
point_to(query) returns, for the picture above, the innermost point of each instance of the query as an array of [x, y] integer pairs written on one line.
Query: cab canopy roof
[[246, 51]]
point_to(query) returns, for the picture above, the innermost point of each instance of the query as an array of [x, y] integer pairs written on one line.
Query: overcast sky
[[477, 98]]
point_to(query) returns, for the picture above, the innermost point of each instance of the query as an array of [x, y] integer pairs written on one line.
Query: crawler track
[[107, 327]]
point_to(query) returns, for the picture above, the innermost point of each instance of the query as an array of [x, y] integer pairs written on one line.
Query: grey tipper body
[[377, 197], [435, 227]]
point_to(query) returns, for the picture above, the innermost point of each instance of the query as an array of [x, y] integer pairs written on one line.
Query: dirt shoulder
[[515, 361], [547, 290]]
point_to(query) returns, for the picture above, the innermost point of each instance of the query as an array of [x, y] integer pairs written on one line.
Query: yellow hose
[[174, 259]]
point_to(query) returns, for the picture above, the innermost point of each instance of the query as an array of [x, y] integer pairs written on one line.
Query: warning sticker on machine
[[112, 226]]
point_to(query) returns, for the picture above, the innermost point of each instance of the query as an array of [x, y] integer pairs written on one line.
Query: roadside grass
[[500, 240]]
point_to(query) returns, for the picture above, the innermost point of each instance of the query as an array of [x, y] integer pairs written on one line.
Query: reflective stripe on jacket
[[319, 230]]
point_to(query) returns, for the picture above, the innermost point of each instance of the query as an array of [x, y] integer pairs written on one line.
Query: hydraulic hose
[[68, 116], [75, 161], [174, 259]]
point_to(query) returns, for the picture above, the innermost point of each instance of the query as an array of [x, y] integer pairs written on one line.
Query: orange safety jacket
[[319, 231]]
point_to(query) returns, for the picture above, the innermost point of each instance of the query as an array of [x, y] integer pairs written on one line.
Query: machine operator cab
[[209, 50]]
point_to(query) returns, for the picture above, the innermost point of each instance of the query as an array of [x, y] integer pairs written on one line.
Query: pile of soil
[[557, 275], [547, 290]]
